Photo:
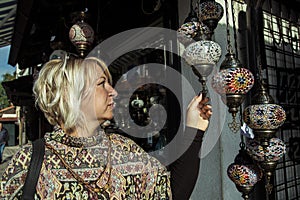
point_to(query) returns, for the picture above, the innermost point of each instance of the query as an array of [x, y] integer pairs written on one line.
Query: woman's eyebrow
[[101, 78]]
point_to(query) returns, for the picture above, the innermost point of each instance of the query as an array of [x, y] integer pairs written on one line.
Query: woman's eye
[[101, 83]]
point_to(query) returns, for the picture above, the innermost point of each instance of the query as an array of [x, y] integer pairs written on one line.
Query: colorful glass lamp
[[267, 156], [244, 173], [187, 32], [210, 13], [203, 56], [193, 29], [263, 115], [233, 81], [81, 34]]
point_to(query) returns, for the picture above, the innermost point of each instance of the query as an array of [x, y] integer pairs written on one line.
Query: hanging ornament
[[273, 152], [263, 115], [267, 157], [187, 32], [210, 13], [190, 28], [81, 34], [193, 29], [233, 81], [244, 173], [203, 56], [201, 53]]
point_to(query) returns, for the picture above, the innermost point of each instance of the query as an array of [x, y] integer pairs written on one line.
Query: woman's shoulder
[[15, 173], [20, 160]]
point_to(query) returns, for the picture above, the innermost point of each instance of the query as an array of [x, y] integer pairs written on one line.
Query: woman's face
[[104, 95]]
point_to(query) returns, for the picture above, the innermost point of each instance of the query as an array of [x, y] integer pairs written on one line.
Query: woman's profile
[[81, 160]]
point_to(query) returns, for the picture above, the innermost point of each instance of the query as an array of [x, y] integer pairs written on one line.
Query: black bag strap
[[37, 157]]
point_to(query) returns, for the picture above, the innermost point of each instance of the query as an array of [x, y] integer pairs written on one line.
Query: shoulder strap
[[37, 157]]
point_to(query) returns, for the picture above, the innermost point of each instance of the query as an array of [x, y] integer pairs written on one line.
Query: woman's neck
[[91, 129]]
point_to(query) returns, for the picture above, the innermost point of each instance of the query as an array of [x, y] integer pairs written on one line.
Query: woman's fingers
[[207, 115], [198, 113], [205, 110], [195, 101]]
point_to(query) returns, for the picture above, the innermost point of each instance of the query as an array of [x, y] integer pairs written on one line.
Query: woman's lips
[[112, 104]]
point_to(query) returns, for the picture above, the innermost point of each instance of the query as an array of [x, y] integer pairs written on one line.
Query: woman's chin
[[105, 120]]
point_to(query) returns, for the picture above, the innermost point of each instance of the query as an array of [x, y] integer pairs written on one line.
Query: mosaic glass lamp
[[81, 34], [187, 32], [193, 29], [273, 152], [263, 115], [232, 82], [210, 13], [190, 28], [267, 156], [244, 177], [244, 173], [203, 56]]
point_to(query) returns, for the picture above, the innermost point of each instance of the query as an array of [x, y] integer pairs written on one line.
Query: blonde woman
[[81, 161]]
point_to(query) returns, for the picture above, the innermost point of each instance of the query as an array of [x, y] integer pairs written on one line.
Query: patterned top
[[114, 167]]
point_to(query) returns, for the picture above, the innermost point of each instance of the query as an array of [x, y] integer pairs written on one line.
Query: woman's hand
[[198, 113]]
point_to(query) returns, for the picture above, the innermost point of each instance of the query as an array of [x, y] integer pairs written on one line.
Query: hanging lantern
[[263, 116], [210, 13], [267, 157], [203, 56], [244, 173], [189, 29], [232, 82], [244, 177], [81, 35], [193, 29], [203, 51], [187, 32], [273, 152]]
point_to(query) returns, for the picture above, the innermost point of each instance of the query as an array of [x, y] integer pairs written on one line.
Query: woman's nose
[[112, 92]]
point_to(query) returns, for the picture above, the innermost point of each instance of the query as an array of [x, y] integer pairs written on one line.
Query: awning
[[8, 114], [8, 10], [19, 91]]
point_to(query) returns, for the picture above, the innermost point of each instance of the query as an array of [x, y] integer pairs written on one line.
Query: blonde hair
[[61, 86]]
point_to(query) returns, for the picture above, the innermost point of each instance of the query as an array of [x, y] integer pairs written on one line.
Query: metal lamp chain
[[234, 29], [229, 47], [191, 5]]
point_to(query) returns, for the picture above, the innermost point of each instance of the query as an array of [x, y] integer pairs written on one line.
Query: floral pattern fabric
[[131, 173]]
